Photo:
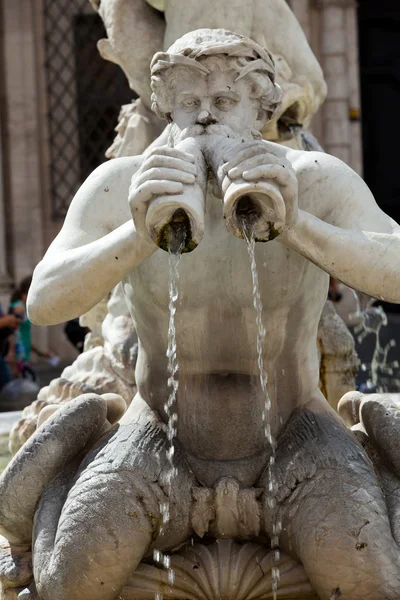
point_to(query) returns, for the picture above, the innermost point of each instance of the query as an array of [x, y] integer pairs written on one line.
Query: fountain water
[[177, 244], [261, 333]]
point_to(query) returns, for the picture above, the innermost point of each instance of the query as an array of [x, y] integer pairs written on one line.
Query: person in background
[[8, 325], [22, 347]]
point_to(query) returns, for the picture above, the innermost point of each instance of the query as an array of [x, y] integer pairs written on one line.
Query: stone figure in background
[[95, 519]]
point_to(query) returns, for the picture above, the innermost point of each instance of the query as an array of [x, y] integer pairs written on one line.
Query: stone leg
[[46, 454], [90, 536], [333, 514]]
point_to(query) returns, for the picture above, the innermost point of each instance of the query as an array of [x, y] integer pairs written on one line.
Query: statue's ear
[[106, 51]]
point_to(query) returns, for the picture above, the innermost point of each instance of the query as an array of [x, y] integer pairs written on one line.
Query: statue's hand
[[261, 161], [164, 172]]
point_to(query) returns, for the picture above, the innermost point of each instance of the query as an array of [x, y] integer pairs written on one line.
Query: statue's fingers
[[173, 153], [230, 153], [170, 162], [255, 161], [148, 189], [262, 145], [141, 197], [380, 416], [161, 174], [242, 155], [278, 173]]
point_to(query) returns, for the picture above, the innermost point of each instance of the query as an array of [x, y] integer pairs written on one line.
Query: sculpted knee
[[62, 583]]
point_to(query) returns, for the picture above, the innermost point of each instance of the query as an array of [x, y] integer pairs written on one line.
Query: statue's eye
[[224, 103], [190, 103]]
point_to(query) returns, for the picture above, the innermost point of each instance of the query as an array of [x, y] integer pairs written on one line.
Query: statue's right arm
[[104, 235], [91, 254]]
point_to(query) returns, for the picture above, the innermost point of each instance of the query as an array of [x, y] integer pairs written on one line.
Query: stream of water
[[266, 415], [170, 405]]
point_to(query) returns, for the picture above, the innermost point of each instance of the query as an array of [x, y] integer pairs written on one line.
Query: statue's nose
[[205, 118]]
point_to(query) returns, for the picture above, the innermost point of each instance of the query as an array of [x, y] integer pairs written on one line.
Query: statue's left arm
[[352, 239]]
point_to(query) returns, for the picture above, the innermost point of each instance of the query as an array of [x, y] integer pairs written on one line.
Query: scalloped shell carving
[[224, 570]]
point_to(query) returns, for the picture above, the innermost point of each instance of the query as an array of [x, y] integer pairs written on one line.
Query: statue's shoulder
[[312, 167], [117, 167], [111, 178], [101, 201], [325, 181], [316, 162]]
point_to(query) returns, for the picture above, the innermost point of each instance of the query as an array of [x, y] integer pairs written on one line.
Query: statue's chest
[[220, 268]]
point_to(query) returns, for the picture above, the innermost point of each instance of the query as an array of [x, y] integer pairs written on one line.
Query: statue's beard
[[247, 134]]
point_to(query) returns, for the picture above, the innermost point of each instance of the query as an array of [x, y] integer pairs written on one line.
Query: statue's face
[[215, 99]]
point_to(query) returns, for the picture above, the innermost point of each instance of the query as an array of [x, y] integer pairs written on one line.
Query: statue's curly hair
[[210, 50], [263, 89]]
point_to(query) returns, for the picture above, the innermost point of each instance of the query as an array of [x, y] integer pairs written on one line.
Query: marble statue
[[134, 28], [86, 494]]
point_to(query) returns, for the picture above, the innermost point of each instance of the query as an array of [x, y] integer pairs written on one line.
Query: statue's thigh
[[113, 515], [332, 512], [131, 465]]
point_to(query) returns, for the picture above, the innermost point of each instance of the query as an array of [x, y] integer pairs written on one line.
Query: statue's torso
[[220, 401]]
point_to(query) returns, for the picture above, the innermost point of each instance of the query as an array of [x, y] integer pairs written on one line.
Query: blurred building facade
[[59, 103]]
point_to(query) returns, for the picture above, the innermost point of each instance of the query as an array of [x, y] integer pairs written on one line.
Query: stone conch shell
[[224, 570]]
